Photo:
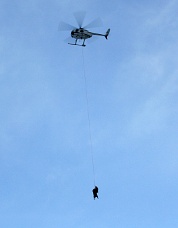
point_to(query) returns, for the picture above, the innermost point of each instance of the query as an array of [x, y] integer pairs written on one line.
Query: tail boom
[[105, 35]]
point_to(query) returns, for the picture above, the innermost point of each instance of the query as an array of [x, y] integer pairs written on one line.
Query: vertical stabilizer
[[107, 33]]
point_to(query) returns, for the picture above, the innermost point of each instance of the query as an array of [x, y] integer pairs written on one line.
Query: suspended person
[[95, 192]]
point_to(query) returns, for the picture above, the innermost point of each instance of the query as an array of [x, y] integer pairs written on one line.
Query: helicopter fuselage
[[84, 34], [81, 33]]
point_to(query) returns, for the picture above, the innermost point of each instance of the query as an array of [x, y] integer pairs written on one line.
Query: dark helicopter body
[[84, 34], [81, 34]]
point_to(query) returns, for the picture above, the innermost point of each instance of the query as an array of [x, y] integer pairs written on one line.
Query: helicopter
[[81, 33]]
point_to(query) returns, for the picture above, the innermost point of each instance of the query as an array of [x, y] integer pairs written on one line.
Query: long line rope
[[88, 114]]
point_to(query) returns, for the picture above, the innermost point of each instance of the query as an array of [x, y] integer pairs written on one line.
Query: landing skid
[[82, 45]]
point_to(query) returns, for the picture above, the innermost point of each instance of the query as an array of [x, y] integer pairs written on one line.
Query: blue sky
[[46, 177]]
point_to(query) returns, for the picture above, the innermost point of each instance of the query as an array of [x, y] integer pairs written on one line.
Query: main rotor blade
[[80, 16], [95, 23], [63, 26]]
